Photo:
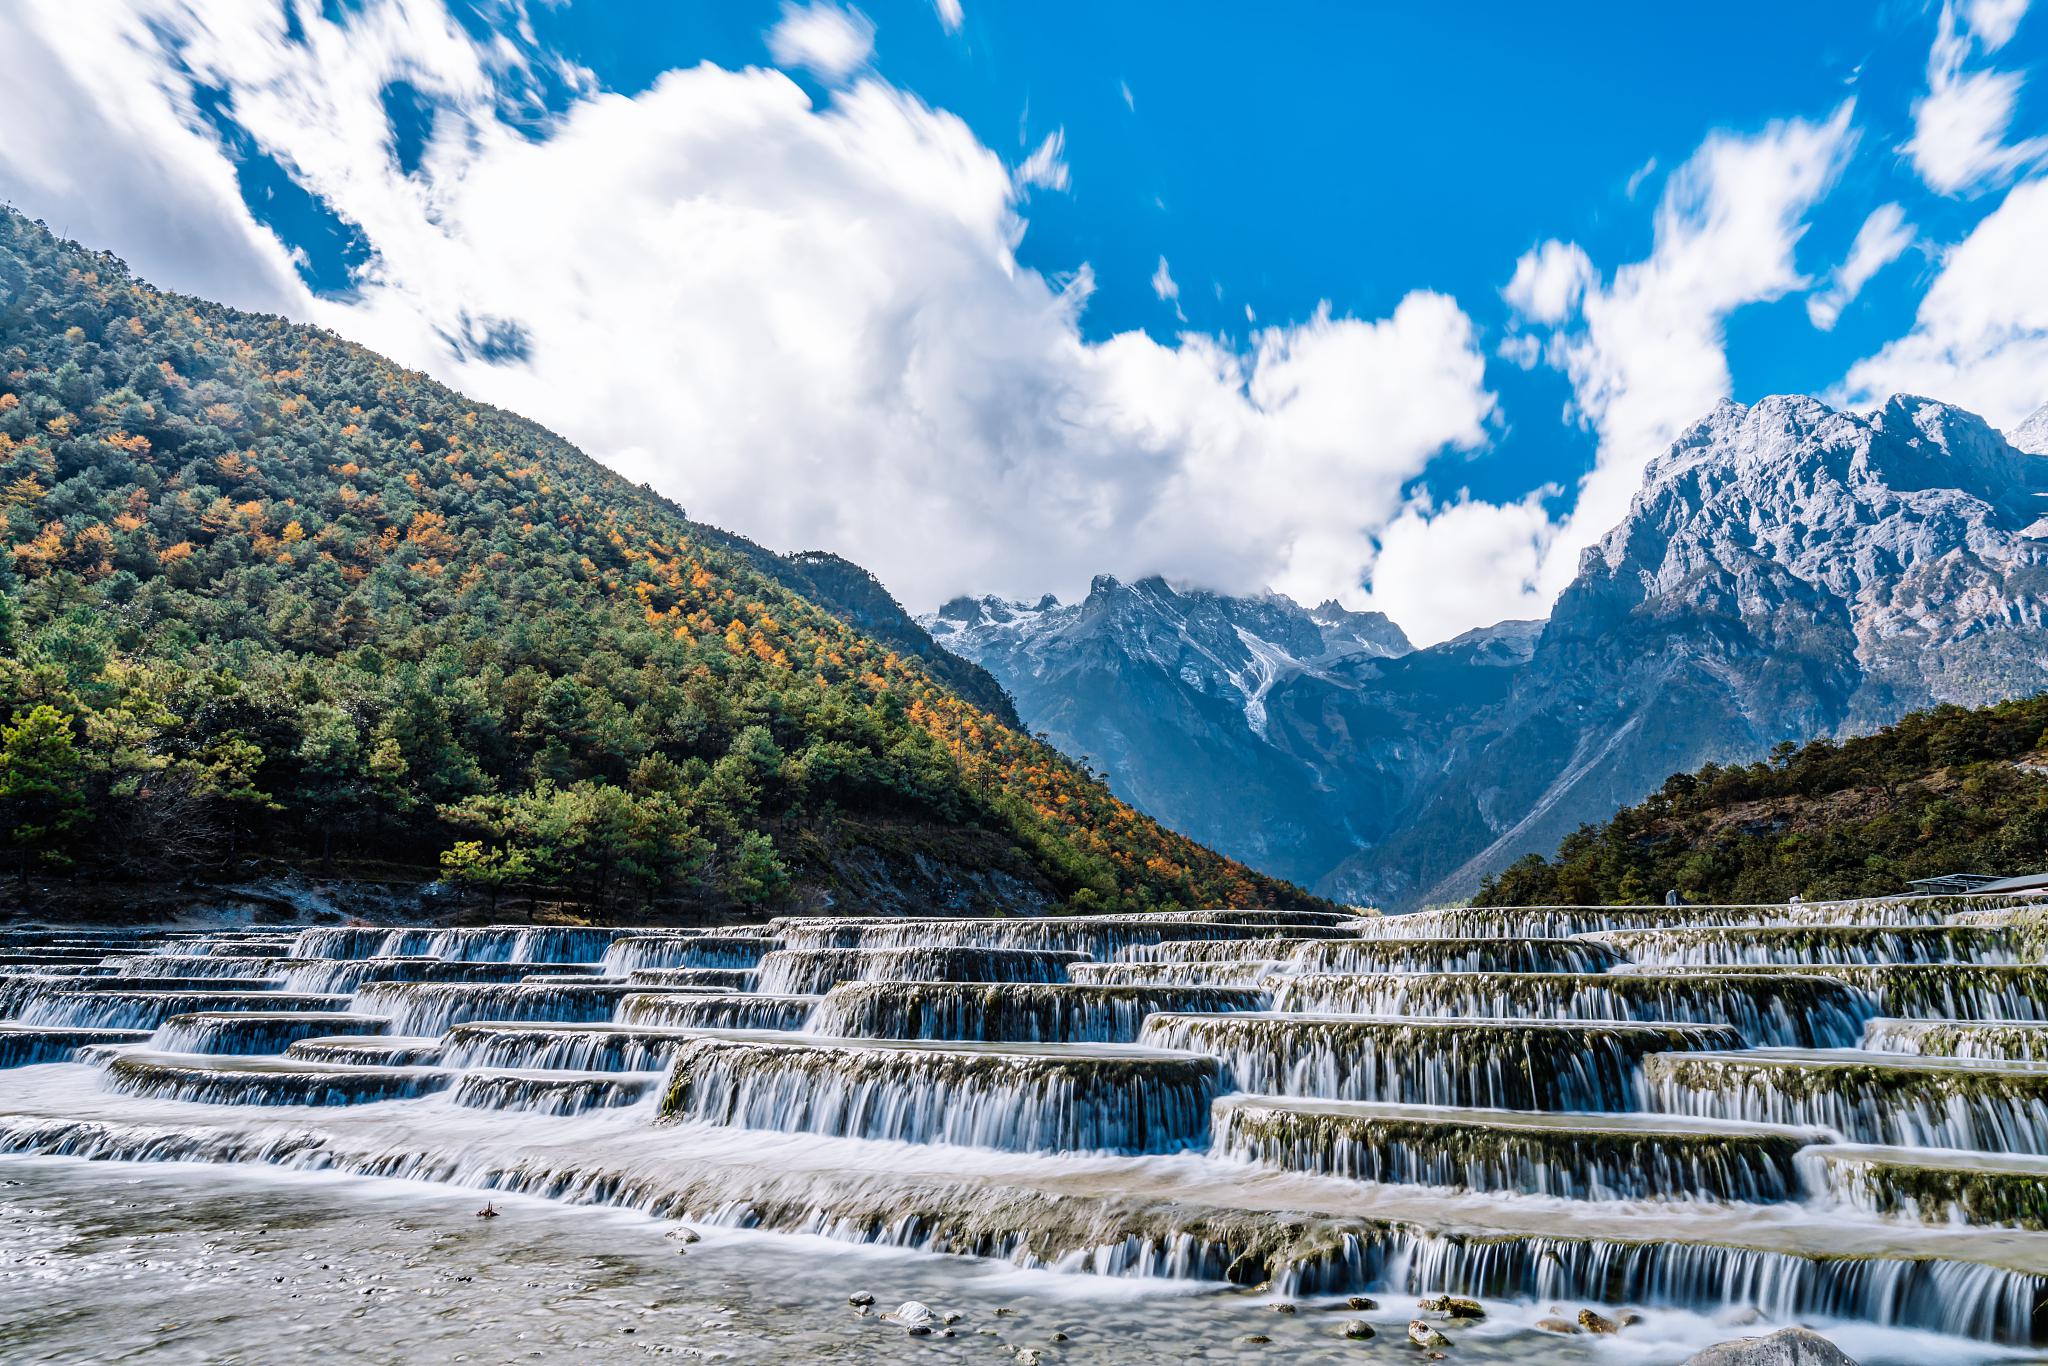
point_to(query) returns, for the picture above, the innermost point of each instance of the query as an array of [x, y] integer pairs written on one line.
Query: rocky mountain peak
[[2031, 435], [1786, 570]]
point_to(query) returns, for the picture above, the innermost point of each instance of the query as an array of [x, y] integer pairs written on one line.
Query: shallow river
[[166, 1263]]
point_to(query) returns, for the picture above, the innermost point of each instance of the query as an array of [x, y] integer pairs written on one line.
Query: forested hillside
[[1947, 790], [269, 595]]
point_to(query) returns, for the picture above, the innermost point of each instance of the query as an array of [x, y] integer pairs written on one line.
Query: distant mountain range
[[1786, 571]]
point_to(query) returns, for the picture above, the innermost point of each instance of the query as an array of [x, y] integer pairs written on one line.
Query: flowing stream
[[1628, 1132]]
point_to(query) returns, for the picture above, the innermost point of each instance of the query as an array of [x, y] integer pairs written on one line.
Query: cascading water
[[1766, 1009], [1577, 1157], [1012, 1012], [811, 972], [1514, 1064], [1652, 1105], [1064, 1098]]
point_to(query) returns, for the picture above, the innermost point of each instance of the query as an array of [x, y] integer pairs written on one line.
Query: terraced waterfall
[[1833, 1112]]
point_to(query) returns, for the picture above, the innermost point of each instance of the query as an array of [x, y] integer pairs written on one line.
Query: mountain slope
[[1786, 571], [1942, 791], [1177, 695], [858, 598], [269, 593]]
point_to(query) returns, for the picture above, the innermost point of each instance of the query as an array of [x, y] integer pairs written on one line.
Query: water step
[[368, 1050], [476, 944], [812, 972], [351, 974], [51, 958], [1573, 1156], [553, 1093], [116, 982], [256, 1031], [1933, 991], [719, 979], [223, 946], [1784, 1008], [266, 1081], [1992, 1106], [25, 1045], [1222, 973], [1930, 1186], [437, 1007], [696, 950], [1558, 922], [197, 966], [716, 1010], [1455, 955], [1505, 1063], [149, 1009], [579, 1048], [1811, 944], [2023, 1040], [1275, 948], [1099, 937], [1015, 1097], [1033, 1012], [1266, 915]]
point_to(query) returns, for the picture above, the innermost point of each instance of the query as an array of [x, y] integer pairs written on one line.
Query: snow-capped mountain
[[1786, 571]]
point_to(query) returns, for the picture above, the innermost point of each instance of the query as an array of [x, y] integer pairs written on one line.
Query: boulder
[[1786, 1347]]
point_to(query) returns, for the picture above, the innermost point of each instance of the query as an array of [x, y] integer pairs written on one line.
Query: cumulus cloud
[[804, 322], [1549, 281], [1645, 354], [824, 39], [1499, 550], [1960, 124], [1881, 240], [1645, 350], [1995, 21], [1980, 337]]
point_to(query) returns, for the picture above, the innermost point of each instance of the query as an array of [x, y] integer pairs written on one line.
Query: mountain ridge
[[270, 597], [1786, 571]]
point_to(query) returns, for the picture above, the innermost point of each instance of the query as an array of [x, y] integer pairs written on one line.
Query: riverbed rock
[[1456, 1306], [911, 1314], [1596, 1323], [1362, 1302], [1786, 1347], [1422, 1335], [1557, 1325], [860, 1300], [1359, 1330]]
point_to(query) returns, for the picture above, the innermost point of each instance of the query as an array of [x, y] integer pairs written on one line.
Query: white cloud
[[1046, 168], [1163, 283], [950, 15], [1884, 236], [1995, 21], [1130, 100], [824, 39], [1498, 549], [1549, 281], [1980, 338], [1960, 124], [1521, 350], [806, 323], [1645, 351], [1641, 174]]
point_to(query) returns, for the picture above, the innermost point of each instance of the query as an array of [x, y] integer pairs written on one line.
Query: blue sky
[[894, 279]]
